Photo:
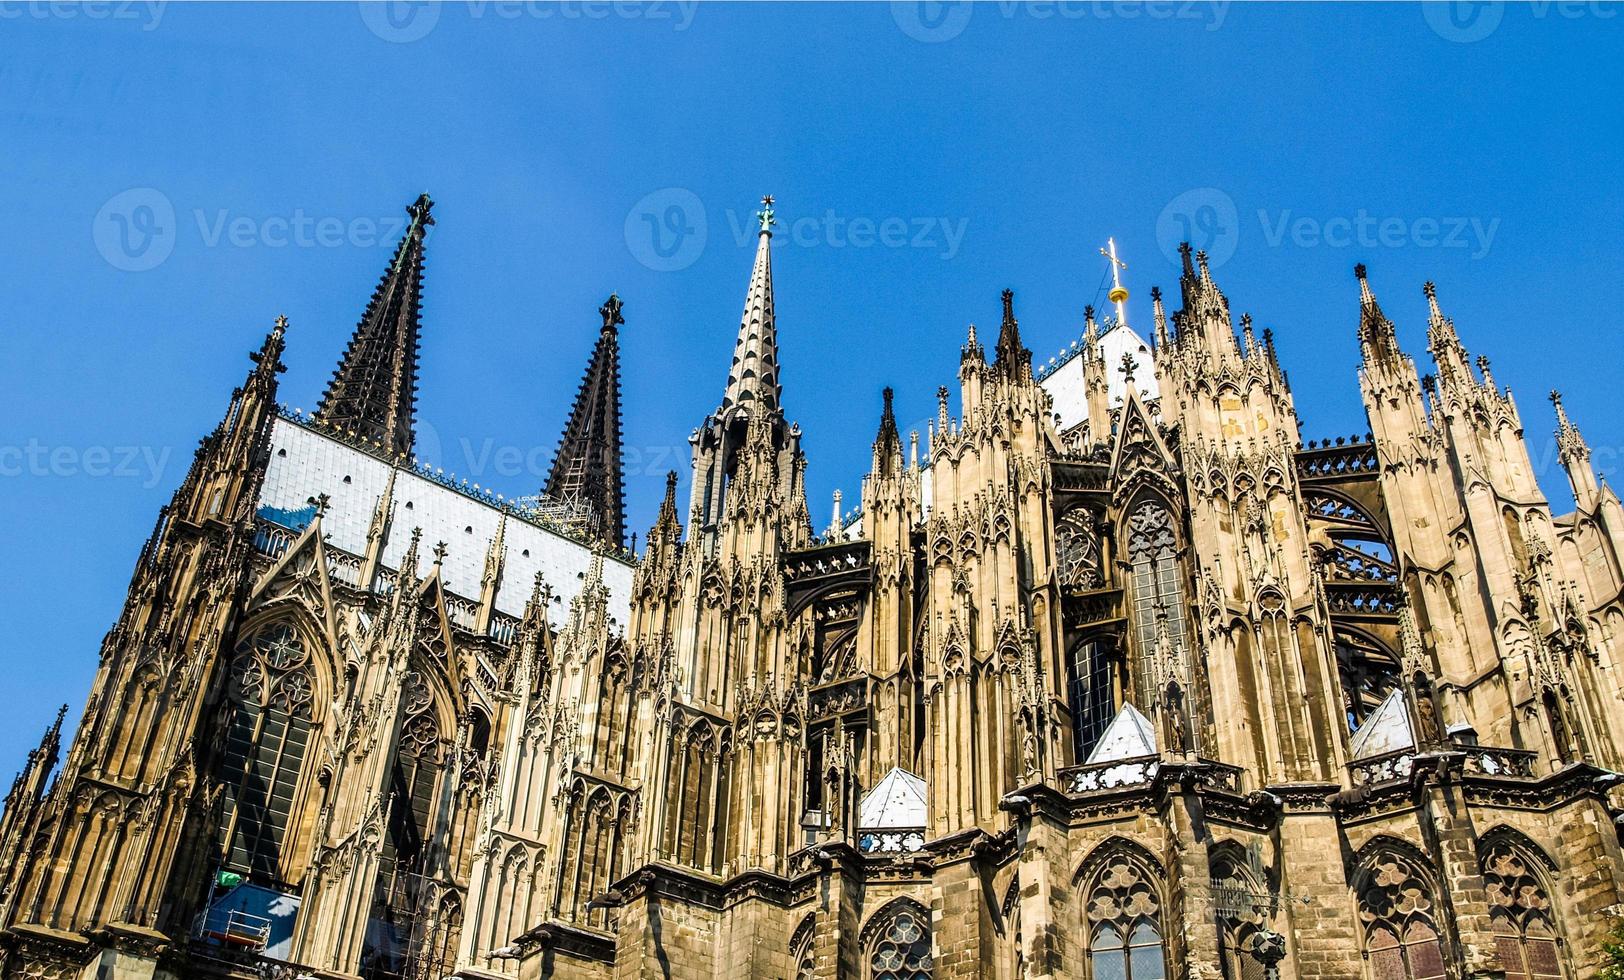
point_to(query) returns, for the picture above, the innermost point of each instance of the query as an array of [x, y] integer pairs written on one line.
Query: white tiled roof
[[1386, 730], [305, 463], [897, 800], [1129, 736], [1064, 381]]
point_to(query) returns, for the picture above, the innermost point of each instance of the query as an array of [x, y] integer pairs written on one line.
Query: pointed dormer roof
[[1014, 360], [586, 467], [752, 381], [897, 800], [374, 391], [1387, 729], [1129, 736]]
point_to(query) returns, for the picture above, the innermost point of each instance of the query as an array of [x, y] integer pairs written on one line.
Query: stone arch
[[1518, 878], [1122, 901], [897, 941], [801, 957], [1397, 896]]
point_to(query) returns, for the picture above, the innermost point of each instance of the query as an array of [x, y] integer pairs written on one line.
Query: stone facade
[[1113, 678]]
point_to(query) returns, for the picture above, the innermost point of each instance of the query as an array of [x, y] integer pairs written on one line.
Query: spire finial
[[1118, 293], [766, 215], [1128, 366], [610, 311], [1431, 291]]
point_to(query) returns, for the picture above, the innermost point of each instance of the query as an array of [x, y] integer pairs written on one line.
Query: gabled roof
[[1386, 730], [1129, 736], [897, 800]]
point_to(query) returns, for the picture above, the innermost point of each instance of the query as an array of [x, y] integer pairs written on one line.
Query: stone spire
[[1575, 456], [1014, 360], [374, 391], [1377, 339], [1454, 363], [888, 443], [752, 382], [586, 467]]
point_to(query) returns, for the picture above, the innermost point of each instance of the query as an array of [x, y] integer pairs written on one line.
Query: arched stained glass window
[[1520, 914], [902, 949], [1158, 587], [1122, 909], [1396, 906], [266, 741], [1077, 550]]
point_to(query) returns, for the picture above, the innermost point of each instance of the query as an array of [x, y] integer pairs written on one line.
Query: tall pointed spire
[[374, 391], [888, 443], [1377, 337], [752, 382], [1454, 364], [1014, 360], [586, 467]]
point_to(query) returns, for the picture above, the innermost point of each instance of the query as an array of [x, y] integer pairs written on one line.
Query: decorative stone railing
[[837, 698], [344, 567], [1347, 457], [272, 540], [1510, 763], [1391, 767], [504, 629], [1475, 760], [1362, 599], [1221, 775], [461, 612], [1116, 774], [891, 840]]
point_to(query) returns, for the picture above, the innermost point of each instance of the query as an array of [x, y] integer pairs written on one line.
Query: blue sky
[[175, 176]]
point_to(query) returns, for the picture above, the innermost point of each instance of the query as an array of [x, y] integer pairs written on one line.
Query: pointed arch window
[[1093, 691], [901, 950], [1396, 907], [1520, 915], [1368, 672], [1077, 551], [800, 951], [267, 740], [1123, 910], [1158, 587]]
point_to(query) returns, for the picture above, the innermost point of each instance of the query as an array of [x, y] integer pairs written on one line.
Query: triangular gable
[[1386, 730], [1129, 736], [1136, 439], [897, 800], [301, 574]]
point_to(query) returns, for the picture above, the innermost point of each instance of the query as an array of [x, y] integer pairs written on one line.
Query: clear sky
[[174, 176]]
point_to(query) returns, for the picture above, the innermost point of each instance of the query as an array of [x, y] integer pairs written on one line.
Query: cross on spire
[[766, 214], [1119, 293]]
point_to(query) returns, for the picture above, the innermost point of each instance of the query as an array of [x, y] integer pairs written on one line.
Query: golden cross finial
[[1118, 294]]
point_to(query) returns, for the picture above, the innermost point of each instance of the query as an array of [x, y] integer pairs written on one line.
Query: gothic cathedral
[[1112, 678]]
